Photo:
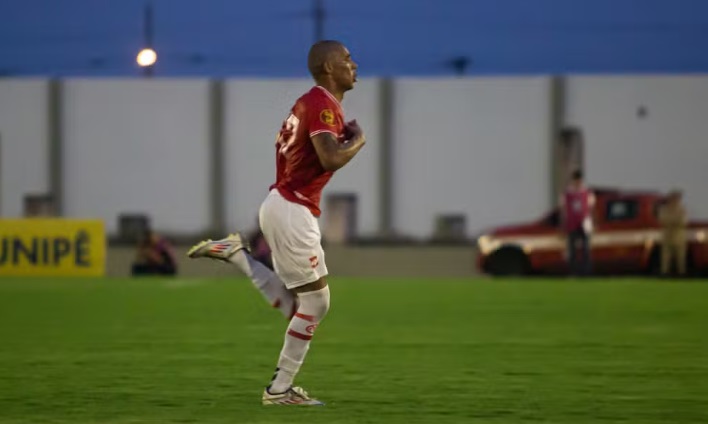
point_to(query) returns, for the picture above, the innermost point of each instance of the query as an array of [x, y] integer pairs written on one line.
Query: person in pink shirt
[[576, 205]]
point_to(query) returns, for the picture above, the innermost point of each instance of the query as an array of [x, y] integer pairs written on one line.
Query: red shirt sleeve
[[321, 117]]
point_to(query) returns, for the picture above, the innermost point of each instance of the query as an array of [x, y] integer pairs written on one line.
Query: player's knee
[[321, 303], [324, 303], [315, 303]]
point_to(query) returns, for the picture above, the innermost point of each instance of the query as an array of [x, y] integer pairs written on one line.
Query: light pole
[[147, 57], [319, 16]]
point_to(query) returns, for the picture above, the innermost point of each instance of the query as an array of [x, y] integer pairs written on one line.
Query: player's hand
[[352, 130]]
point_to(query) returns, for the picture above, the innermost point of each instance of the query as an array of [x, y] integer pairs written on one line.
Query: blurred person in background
[[672, 217], [258, 245], [576, 206], [154, 256]]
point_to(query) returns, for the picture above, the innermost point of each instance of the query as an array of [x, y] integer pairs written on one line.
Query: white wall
[[138, 146], [24, 148], [666, 149], [477, 146], [361, 175], [255, 111]]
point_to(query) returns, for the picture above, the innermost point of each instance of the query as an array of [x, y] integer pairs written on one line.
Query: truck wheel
[[508, 261]]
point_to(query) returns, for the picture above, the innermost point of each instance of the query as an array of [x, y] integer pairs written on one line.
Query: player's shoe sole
[[218, 249], [293, 396]]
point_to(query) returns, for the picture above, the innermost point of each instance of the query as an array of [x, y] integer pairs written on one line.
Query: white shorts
[[293, 234]]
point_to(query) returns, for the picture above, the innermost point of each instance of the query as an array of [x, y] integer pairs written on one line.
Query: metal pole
[[386, 161], [1, 176], [56, 146], [557, 95], [148, 34], [319, 16], [217, 161]]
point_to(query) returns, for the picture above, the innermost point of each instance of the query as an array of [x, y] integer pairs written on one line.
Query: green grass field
[[450, 351]]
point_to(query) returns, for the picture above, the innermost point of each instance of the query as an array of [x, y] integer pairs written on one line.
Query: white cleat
[[293, 396], [218, 249]]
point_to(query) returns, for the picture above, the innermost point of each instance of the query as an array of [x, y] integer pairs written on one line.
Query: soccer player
[[314, 141]]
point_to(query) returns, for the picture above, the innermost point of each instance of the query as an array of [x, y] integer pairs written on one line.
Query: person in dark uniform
[[154, 256]]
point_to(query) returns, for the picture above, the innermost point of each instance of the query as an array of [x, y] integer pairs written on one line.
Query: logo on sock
[[311, 328]]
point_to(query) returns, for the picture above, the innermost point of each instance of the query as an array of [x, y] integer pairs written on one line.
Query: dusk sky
[[270, 38]]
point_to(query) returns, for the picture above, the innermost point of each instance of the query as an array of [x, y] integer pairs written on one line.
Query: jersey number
[[286, 136]]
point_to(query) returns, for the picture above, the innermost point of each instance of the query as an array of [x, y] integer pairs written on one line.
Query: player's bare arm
[[334, 154]]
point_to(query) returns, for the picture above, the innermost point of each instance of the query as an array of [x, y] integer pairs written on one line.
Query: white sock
[[267, 282], [313, 307]]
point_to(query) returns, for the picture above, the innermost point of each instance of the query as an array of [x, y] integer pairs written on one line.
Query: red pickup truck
[[626, 240]]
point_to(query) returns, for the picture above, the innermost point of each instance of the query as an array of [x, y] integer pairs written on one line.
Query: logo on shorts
[[314, 262], [327, 117], [311, 328]]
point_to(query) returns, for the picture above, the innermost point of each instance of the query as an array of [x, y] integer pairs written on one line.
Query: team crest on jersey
[[327, 117]]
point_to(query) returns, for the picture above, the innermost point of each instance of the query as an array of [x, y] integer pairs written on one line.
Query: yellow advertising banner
[[52, 247]]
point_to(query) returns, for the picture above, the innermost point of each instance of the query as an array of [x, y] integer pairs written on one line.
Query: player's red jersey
[[300, 175]]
